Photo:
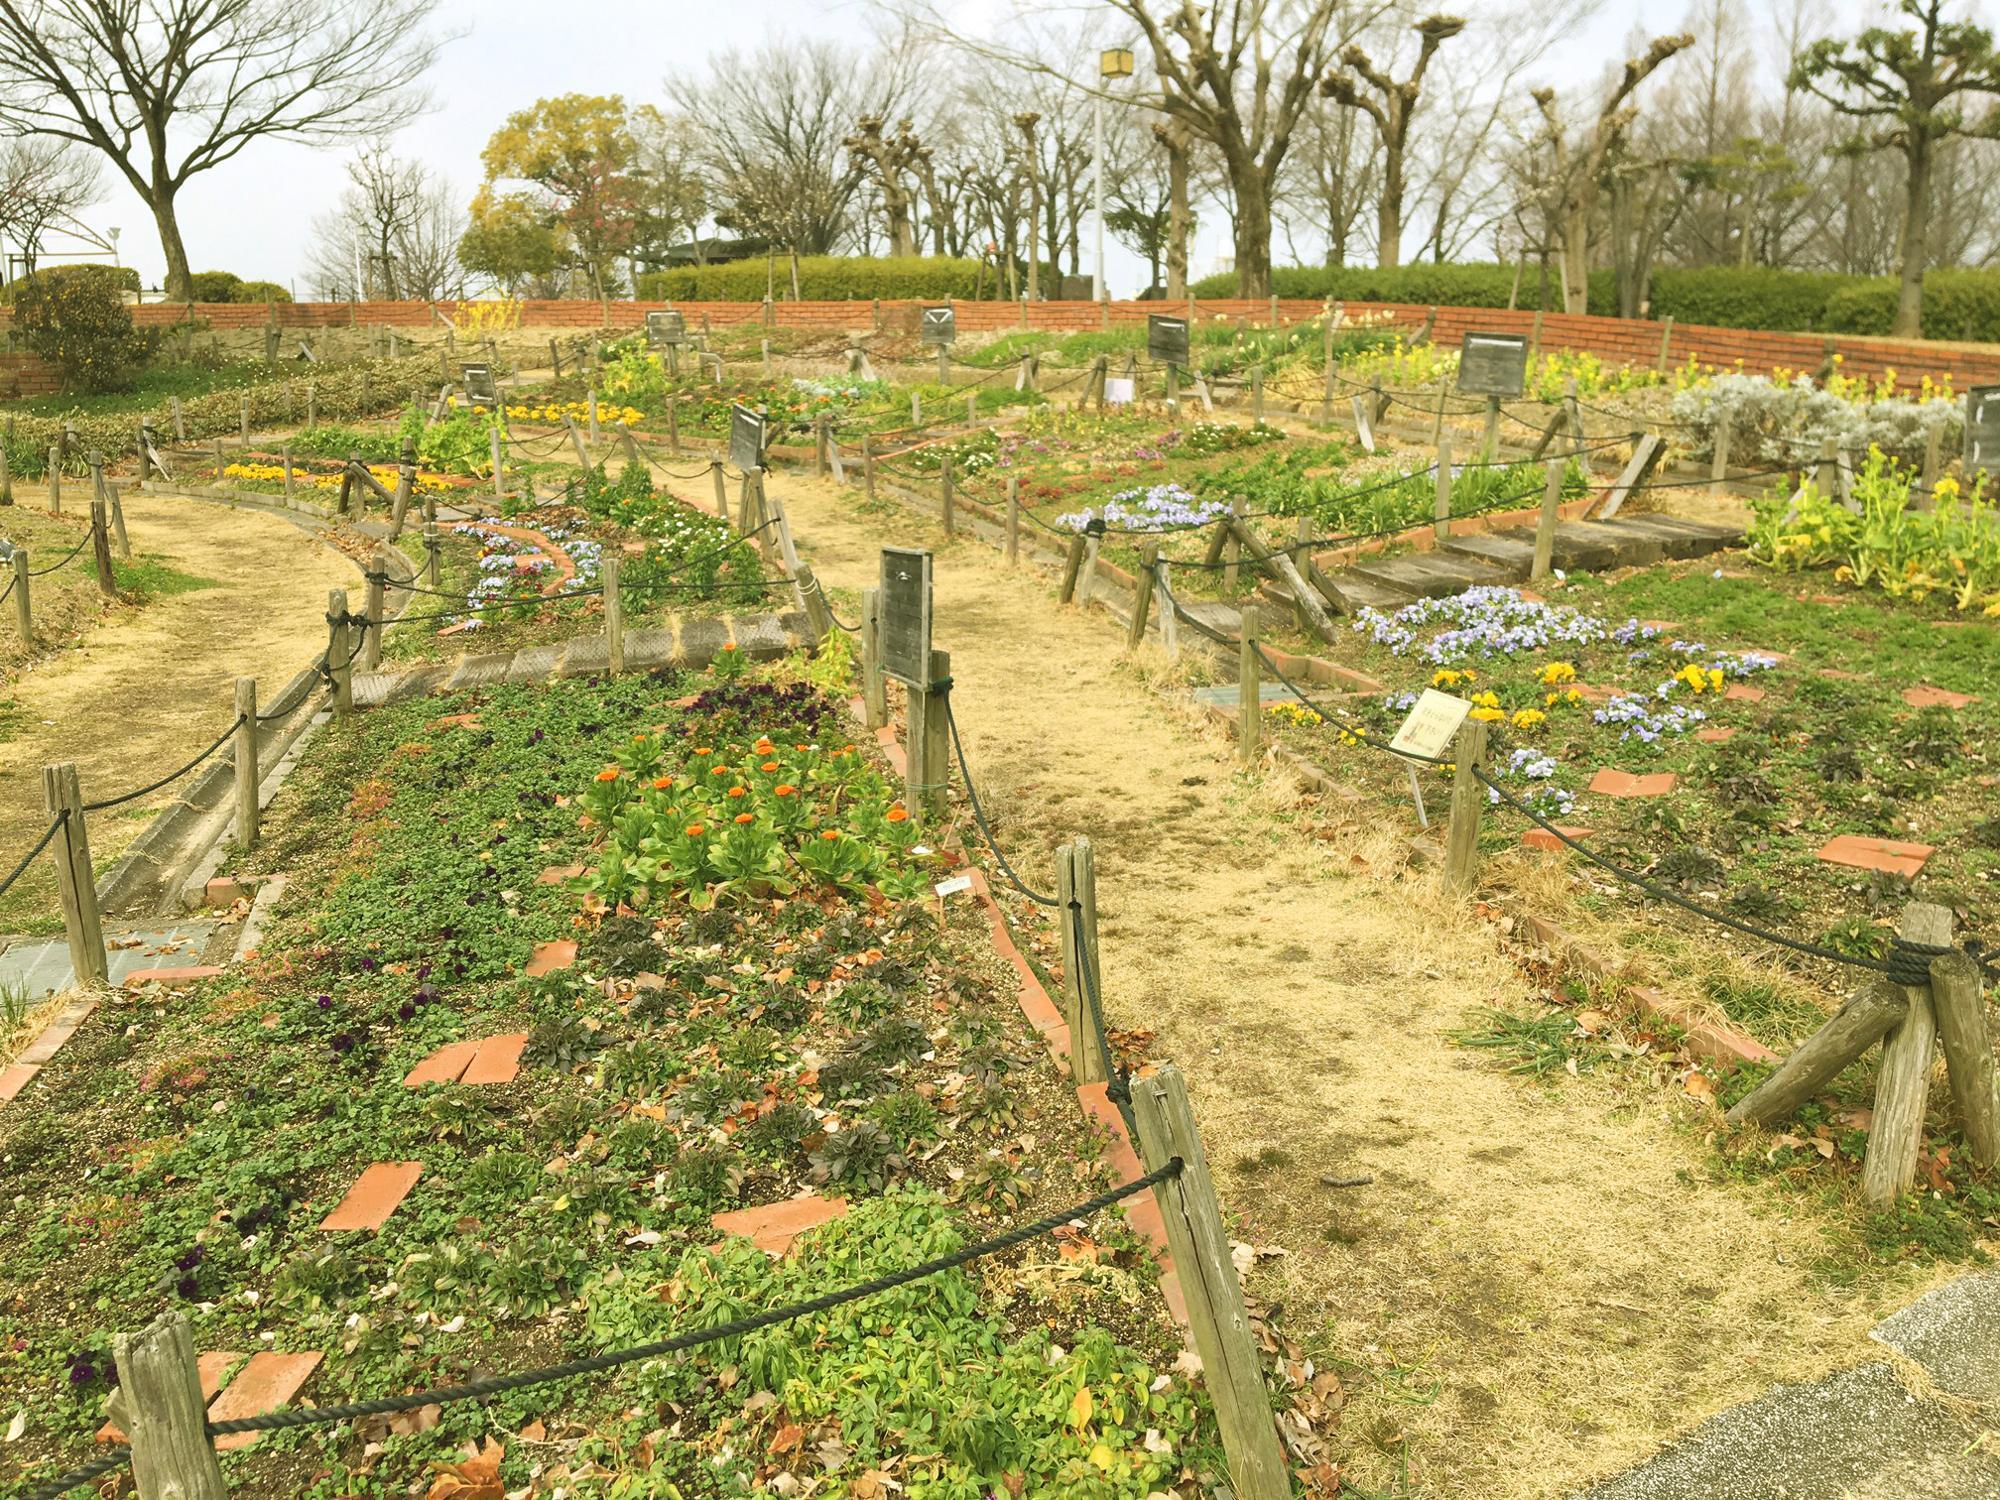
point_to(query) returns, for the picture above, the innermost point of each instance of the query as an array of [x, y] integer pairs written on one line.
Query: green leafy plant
[[75, 317], [861, 1156]]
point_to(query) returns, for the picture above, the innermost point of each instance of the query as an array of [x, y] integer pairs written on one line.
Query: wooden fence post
[[221, 460], [1468, 799], [821, 439], [499, 466], [1170, 622], [1666, 343], [946, 496], [819, 615], [374, 607], [1718, 464], [247, 777], [1968, 1052], [1902, 1082], [1249, 687], [868, 465], [721, 488], [75, 879], [287, 461], [243, 420], [1326, 390], [916, 410], [100, 549], [1257, 394], [1072, 565], [1083, 973], [1142, 599], [23, 614], [340, 651], [614, 614], [1216, 1315], [1545, 524], [160, 1404], [55, 480], [1933, 456], [138, 452], [1441, 506], [590, 404], [874, 686], [117, 508], [1013, 518], [929, 748], [430, 554], [180, 419]]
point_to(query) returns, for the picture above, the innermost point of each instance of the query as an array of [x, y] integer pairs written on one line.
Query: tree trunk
[[1178, 217], [1914, 243], [1575, 260], [1253, 235], [1389, 209], [179, 282]]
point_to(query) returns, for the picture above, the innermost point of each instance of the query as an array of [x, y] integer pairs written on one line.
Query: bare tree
[[43, 183], [394, 233], [891, 157], [168, 89], [1392, 104], [1578, 166]]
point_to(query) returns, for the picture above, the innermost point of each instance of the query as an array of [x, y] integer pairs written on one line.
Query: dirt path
[[1530, 1295], [148, 687]]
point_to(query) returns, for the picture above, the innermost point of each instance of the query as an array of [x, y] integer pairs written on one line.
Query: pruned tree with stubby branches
[[169, 89], [1908, 92], [1392, 104]]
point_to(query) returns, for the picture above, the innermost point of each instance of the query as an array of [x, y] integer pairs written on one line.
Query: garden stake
[[1142, 603], [1718, 467], [1013, 518], [874, 685], [1217, 1318], [246, 763], [55, 481], [1545, 524], [161, 1404], [82, 925], [23, 617], [1076, 895], [1249, 689], [614, 614], [1461, 846], [1902, 1081]]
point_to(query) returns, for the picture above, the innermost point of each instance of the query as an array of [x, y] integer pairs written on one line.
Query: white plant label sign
[[1432, 722]]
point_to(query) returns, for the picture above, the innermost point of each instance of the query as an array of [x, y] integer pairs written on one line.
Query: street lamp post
[[1112, 63]]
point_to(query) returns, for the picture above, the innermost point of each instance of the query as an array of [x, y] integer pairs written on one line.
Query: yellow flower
[[1529, 718], [1488, 715], [1486, 699], [1557, 672]]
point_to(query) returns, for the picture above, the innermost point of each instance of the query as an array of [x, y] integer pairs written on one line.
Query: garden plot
[[497, 1093], [1522, 1250]]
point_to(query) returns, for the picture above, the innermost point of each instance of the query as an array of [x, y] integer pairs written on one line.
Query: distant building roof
[[711, 251]]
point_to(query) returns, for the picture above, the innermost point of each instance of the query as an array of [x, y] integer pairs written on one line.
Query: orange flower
[[662, 783], [737, 791], [703, 750], [746, 817], [718, 770], [783, 789], [609, 773], [695, 830], [831, 834], [764, 746], [769, 765], [899, 814], [802, 748]]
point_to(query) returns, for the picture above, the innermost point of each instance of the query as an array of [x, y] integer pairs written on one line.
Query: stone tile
[[14, 1078], [1887, 855], [773, 1227], [700, 640], [481, 671], [185, 974], [1714, 735], [535, 663], [268, 1382], [1738, 692], [209, 1369], [760, 637], [586, 656], [498, 1059], [648, 648], [226, 890], [442, 1066], [549, 957], [1608, 783], [374, 1196], [1924, 696], [1541, 838]]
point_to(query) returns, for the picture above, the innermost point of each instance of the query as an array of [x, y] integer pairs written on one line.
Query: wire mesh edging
[[294, 1417]]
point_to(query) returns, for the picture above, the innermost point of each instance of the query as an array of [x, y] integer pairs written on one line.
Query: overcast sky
[[253, 216]]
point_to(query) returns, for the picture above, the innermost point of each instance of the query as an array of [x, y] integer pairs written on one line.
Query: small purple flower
[[405, 1011], [325, 1002], [367, 965]]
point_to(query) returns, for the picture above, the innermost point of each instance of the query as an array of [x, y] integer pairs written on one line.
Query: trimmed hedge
[[125, 278], [1748, 297], [822, 278], [1468, 285]]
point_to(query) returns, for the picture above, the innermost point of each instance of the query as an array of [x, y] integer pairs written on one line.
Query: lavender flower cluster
[[1486, 621], [1645, 722], [1729, 663], [1537, 768], [1164, 507]]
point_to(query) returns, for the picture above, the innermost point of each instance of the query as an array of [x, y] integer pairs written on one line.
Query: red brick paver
[[1714, 735], [443, 1065], [1738, 692], [773, 1227], [268, 1382], [1887, 855], [15, 1078], [374, 1196], [1610, 783], [184, 974], [1541, 838], [44, 1047], [1925, 696], [498, 1059], [549, 957]]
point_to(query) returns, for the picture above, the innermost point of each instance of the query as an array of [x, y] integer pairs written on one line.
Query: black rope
[[979, 812], [116, 1458], [736, 1328], [29, 858], [146, 791]]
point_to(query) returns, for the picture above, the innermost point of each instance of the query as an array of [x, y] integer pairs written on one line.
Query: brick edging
[[32, 1058]]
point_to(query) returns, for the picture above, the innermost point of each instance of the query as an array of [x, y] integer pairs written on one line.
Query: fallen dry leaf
[[474, 1478]]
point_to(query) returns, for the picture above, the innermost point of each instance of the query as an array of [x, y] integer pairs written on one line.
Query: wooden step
[[1513, 552], [1428, 574], [1595, 546], [1679, 541]]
